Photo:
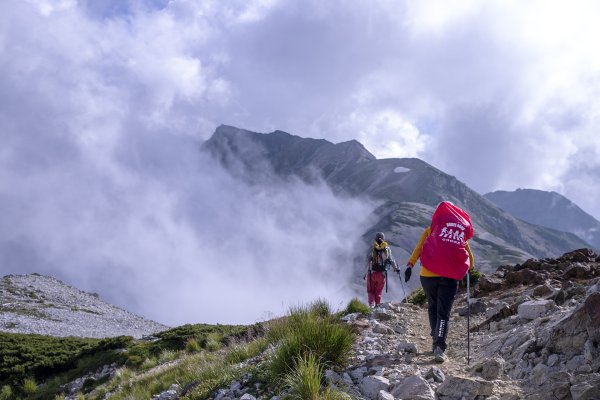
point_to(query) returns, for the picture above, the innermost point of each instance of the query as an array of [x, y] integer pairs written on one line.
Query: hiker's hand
[[407, 273]]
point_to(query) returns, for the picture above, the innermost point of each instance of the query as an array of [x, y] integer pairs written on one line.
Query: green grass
[[418, 297], [307, 332], [53, 361], [357, 306], [192, 346], [39, 356], [237, 353], [29, 386], [306, 382], [474, 276], [6, 393], [209, 371], [202, 357], [207, 336]]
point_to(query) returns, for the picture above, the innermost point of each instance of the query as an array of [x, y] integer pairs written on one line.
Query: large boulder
[[586, 387], [371, 385], [525, 276], [569, 335], [456, 387], [413, 388], [580, 255], [490, 369], [580, 271], [535, 308], [488, 284]]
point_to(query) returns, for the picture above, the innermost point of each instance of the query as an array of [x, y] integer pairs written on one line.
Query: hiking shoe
[[438, 355]]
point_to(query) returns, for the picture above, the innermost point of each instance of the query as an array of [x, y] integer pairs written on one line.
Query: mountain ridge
[[397, 182], [549, 209]]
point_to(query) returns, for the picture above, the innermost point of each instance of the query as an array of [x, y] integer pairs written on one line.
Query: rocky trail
[[535, 333]]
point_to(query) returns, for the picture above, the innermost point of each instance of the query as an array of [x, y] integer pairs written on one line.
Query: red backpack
[[444, 252]]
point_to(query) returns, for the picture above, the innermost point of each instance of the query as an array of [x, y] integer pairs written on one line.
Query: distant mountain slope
[[408, 188], [44, 305], [549, 209]]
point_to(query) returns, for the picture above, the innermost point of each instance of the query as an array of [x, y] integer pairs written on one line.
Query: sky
[[103, 107]]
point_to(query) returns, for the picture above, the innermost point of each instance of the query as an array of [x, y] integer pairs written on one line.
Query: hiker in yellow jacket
[[378, 261], [445, 257]]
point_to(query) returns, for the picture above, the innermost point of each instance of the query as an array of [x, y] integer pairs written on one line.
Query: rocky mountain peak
[[409, 189]]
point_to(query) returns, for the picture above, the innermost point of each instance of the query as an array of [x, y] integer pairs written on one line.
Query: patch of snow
[[401, 169]]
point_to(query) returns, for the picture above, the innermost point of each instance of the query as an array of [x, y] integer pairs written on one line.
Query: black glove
[[407, 274]]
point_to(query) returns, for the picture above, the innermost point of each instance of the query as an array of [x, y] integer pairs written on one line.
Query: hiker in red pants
[[445, 259], [378, 260]]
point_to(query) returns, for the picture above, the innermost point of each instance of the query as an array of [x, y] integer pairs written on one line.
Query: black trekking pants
[[440, 297]]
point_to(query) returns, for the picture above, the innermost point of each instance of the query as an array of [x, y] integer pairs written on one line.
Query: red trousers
[[375, 285]]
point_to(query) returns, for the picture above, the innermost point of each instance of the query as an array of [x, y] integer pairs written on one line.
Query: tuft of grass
[[357, 306], [166, 356], [305, 382], [213, 341], [149, 363], [29, 386], [6, 393], [304, 333], [192, 346], [418, 297], [241, 352], [320, 308]]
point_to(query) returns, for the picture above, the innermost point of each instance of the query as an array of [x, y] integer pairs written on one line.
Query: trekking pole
[[402, 284], [468, 320], [386, 280]]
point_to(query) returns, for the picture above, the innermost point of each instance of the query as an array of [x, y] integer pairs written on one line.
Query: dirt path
[[456, 365]]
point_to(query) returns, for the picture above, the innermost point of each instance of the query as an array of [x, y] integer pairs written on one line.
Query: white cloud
[[102, 105], [386, 133], [102, 182]]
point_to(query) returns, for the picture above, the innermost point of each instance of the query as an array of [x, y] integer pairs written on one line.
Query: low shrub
[[418, 297], [29, 386], [166, 356], [357, 306], [192, 346], [320, 308], [240, 352], [474, 276], [6, 393]]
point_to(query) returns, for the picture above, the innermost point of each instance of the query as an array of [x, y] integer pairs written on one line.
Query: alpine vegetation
[[533, 332]]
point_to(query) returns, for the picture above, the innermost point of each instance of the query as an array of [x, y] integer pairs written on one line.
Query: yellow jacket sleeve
[[417, 251], [471, 260]]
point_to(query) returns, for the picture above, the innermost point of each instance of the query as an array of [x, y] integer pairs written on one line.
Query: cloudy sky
[[103, 105]]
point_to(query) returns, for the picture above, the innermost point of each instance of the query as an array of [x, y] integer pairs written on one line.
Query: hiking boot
[[438, 355]]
